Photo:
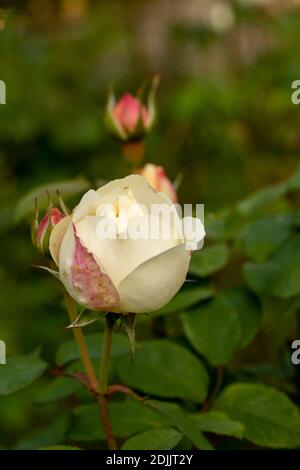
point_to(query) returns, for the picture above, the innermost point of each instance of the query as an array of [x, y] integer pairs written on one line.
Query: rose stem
[[134, 153], [85, 357], [103, 380], [92, 378], [208, 403]]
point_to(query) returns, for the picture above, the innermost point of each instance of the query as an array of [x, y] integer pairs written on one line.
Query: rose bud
[[118, 273], [129, 119], [41, 231], [157, 178]]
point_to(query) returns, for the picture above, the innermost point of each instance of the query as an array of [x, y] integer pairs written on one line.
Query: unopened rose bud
[[157, 178], [129, 119], [41, 230], [119, 274], [129, 111]]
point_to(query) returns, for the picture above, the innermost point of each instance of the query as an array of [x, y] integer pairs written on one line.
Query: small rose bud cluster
[[121, 275], [42, 229]]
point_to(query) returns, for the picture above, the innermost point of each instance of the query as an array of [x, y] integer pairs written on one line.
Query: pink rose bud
[[129, 119], [157, 178], [129, 110], [41, 230]]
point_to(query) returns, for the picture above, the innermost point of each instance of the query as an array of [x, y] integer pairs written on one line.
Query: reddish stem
[[107, 427], [122, 389]]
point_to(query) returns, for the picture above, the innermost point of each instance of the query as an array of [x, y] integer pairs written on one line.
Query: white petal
[[57, 236], [119, 257], [66, 253], [141, 189], [87, 206], [153, 284]]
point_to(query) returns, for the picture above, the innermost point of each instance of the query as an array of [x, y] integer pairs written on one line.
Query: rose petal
[[119, 257], [87, 206], [128, 111], [142, 191], [152, 284], [83, 277], [57, 236], [157, 178]]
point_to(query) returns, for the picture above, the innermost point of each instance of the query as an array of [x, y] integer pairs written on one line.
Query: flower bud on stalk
[[41, 230], [106, 271], [129, 119], [157, 178]]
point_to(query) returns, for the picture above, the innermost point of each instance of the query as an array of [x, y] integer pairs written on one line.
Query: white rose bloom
[[122, 274]]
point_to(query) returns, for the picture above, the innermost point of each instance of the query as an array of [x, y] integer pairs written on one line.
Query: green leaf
[[209, 260], [218, 422], [86, 317], [127, 418], [67, 189], [50, 435], [58, 388], [264, 237], [68, 351], [249, 312], [155, 439], [224, 226], [269, 417], [59, 448], [190, 295], [293, 182], [165, 369], [262, 198], [213, 329], [182, 421], [19, 372], [281, 275]]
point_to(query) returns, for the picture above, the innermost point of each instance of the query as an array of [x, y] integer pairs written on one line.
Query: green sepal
[[129, 322], [112, 124], [51, 271], [152, 104], [62, 204], [35, 223], [86, 317]]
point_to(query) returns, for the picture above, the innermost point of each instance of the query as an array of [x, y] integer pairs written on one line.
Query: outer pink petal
[[94, 288]]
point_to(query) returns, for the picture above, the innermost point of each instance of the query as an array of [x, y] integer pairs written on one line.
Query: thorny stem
[[92, 378]]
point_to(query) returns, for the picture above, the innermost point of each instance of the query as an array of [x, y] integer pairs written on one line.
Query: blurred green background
[[226, 122]]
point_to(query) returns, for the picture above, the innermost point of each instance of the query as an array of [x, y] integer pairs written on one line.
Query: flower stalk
[[98, 388], [103, 383], [104, 369], [107, 427], [134, 153], [84, 353]]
